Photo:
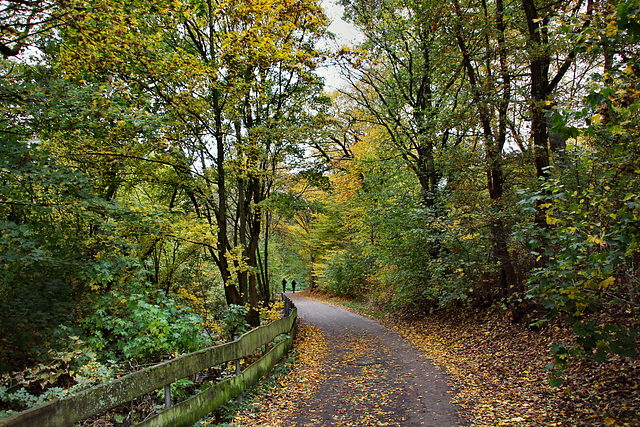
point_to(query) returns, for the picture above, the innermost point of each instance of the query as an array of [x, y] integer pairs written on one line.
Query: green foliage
[[594, 342], [47, 248], [24, 399], [589, 245], [627, 17], [347, 274], [63, 233], [66, 372], [180, 390], [142, 326], [93, 373], [235, 320], [586, 256], [588, 251]]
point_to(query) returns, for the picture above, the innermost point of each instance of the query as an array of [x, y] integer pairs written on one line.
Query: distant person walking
[[284, 285], [293, 286]]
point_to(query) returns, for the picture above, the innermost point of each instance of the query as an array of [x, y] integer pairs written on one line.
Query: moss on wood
[[67, 411]]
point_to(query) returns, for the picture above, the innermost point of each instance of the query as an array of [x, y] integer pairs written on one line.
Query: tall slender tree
[[401, 75], [481, 36]]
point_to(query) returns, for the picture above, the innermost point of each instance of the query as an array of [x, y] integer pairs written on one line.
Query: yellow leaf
[[551, 220], [609, 421], [596, 240], [607, 282]]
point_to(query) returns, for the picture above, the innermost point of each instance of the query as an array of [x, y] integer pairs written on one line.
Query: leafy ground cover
[[500, 370], [274, 399], [147, 331]]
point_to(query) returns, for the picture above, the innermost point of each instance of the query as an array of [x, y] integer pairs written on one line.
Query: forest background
[[164, 164]]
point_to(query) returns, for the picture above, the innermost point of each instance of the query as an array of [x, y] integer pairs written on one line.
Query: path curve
[[374, 376]]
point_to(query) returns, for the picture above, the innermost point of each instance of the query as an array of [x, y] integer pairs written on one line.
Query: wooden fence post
[[167, 388], [265, 349], [287, 305], [238, 370]]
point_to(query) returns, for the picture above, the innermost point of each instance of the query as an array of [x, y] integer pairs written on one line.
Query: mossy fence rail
[[69, 410]]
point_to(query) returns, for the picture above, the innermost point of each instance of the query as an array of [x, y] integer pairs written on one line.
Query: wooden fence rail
[[69, 410]]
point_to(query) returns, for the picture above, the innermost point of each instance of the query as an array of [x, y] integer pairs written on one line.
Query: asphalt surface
[[374, 377]]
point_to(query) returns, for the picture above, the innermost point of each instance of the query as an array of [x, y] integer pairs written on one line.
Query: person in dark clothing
[[293, 286], [284, 285]]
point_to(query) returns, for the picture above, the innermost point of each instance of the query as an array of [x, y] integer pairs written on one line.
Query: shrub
[[143, 326]]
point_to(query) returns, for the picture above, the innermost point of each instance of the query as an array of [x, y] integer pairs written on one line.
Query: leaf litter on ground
[[280, 400], [499, 369]]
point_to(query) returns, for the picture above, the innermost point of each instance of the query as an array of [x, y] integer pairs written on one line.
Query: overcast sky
[[346, 34]]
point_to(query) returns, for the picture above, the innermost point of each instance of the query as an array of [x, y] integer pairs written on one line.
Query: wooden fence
[[69, 410]]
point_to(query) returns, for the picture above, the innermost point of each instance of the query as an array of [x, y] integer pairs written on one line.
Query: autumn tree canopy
[[181, 158]]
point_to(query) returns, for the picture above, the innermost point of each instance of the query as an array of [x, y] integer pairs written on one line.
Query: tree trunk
[[539, 68], [230, 291], [252, 249], [494, 145]]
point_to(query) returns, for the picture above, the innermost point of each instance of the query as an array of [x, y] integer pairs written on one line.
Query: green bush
[[143, 326], [348, 273], [235, 320]]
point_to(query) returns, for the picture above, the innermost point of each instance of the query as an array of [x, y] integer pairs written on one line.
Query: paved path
[[374, 377]]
